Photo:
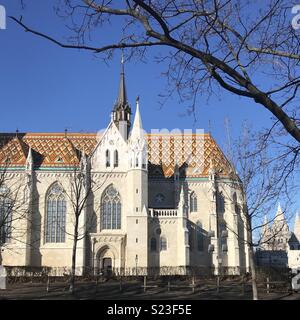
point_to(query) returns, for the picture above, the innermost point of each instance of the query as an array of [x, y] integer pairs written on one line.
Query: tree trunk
[[251, 254], [72, 279], [253, 273]]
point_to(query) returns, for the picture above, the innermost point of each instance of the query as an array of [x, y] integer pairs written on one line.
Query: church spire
[[122, 97], [297, 226], [279, 214], [122, 110], [137, 128], [265, 227]]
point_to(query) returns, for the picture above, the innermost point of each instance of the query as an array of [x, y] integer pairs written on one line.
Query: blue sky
[[45, 88], [50, 88]]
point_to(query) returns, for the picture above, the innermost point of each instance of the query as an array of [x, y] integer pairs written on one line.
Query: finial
[[279, 207], [17, 133], [122, 58], [66, 131], [137, 98]]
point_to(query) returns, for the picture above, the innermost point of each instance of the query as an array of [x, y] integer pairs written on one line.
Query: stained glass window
[[56, 215], [5, 215], [111, 209]]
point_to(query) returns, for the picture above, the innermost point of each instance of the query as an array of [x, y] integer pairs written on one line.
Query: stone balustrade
[[163, 212]]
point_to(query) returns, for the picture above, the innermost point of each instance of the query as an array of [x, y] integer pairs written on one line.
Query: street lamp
[[136, 263]]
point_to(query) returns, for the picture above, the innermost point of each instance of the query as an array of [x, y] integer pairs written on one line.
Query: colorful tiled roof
[[192, 153]]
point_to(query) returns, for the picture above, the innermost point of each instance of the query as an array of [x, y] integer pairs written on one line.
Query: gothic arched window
[[163, 244], [56, 214], [193, 202], [153, 244], [110, 209], [116, 158], [5, 215], [220, 203], [107, 158]]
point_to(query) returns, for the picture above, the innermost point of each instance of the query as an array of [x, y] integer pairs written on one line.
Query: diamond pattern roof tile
[[192, 153]]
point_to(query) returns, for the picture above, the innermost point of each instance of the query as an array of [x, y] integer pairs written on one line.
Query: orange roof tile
[[192, 153]]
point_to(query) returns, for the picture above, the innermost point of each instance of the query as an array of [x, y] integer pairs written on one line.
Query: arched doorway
[[105, 260], [107, 266]]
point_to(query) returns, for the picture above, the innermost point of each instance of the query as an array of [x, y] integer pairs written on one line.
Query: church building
[[169, 202], [279, 246]]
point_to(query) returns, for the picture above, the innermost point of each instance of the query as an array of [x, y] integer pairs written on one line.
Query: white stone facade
[[159, 228]]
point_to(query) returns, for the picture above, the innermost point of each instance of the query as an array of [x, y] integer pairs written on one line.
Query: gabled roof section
[[13, 151], [48, 149]]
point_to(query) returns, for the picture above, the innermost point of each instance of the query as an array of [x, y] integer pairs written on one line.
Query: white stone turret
[[280, 224], [28, 199], [29, 161], [183, 233], [265, 227], [181, 204], [265, 234], [297, 227], [137, 195], [137, 143]]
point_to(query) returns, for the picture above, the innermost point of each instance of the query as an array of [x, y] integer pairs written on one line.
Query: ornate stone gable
[[110, 142]]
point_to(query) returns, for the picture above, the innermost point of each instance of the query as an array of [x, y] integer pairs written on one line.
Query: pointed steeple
[[265, 227], [280, 225], [83, 160], [279, 214], [211, 170], [122, 111], [137, 128], [122, 96], [297, 226], [181, 204], [265, 234], [29, 160]]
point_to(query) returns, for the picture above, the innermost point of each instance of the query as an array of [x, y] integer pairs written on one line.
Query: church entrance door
[[107, 266]]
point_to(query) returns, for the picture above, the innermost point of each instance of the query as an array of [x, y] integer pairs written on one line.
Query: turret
[[265, 234], [279, 221], [297, 227], [138, 146], [29, 161]]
